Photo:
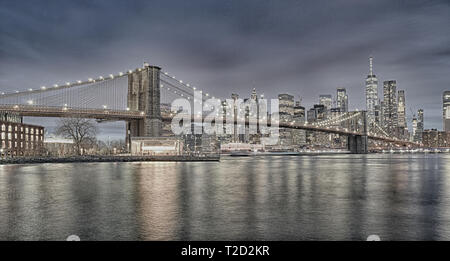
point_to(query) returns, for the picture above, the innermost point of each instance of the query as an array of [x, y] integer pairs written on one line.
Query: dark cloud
[[304, 48]]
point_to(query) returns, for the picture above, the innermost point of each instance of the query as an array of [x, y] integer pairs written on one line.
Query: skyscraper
[[299, 136], [235, 97], [401, 109], [371, 92], [390, 107], [446, 110], [414, 128], [342, 99], [420, 126], [326, 100], [286, 114]]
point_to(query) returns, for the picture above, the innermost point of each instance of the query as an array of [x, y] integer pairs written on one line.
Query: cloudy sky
[[304, 48]]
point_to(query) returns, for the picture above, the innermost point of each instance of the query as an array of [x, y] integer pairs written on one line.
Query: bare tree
[[82, 131]]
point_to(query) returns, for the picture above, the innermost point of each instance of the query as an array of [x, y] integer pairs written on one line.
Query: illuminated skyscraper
[[286, 114], [371, 92], [446, 110], [414, 128], [326, 100], [420, 126], [342, 100], [401, 109], [390, 108]]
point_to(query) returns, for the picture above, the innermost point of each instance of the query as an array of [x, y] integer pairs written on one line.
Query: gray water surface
[[342, 197]]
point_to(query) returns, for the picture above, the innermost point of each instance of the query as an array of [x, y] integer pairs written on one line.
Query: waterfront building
[[371, 91], [342, 100], [58, 146], [436, 139], [446, 110], [19, 139], [156, 146]]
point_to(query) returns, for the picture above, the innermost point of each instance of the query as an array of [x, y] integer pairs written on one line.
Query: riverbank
[[39, 160]]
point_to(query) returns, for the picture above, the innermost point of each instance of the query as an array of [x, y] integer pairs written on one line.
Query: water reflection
[[342, 197]]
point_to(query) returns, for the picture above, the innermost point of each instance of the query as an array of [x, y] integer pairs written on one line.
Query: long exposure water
[[341, 197]]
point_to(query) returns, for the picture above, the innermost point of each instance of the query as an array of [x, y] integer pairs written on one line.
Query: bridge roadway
[[125, 115]]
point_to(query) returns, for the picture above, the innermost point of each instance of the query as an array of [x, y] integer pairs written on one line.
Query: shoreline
[[87, 159]]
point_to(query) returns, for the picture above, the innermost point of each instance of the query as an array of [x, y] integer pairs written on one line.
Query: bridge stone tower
[[358, 144], [144, 96]]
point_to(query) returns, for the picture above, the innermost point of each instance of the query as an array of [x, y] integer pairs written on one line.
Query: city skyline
[[237, 44]]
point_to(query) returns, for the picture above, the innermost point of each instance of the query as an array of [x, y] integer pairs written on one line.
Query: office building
[[286, 114], [342, 100], [420, 126], [326, 100], [446, 110], [371, 91], [401, 112], [390, 107], [299, 136], [436, 139]]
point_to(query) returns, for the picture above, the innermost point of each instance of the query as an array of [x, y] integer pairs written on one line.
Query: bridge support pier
[[144, 96], [357, 144]]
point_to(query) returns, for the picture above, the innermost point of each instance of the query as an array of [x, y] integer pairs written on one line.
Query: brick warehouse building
[[19, 139]]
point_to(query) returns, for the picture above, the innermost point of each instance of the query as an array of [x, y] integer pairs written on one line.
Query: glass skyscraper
[[342, 99], [446, 110], [371, 92]]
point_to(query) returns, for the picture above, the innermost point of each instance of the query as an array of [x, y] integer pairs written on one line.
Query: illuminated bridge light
[[111, 76], [78, 81], [120, 73], [43, 87]]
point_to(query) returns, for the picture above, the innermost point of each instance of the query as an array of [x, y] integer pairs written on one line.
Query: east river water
[[337, 197]]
